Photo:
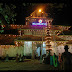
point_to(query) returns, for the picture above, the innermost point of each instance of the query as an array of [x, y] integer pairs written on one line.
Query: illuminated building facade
[[38, 34]]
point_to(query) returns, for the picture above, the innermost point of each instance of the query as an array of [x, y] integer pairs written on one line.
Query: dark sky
[[62, 17]]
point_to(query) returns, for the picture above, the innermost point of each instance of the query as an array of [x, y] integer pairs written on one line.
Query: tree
[[7, 14]]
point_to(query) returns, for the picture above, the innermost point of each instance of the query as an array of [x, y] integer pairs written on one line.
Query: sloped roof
[[38, 27], [11, 31], [32, 27], [69, 42], [30, 38], [6, 40], [66, 32], [9, 40], [57, 38], [38, 38]]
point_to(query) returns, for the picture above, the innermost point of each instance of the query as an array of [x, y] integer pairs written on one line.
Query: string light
[[31, 15], [16, 43], [9, 35], [11, 25]]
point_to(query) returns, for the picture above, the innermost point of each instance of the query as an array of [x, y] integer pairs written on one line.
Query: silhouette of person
[[17, 58], [23, 58], [7, 58], [66, 59], [55, 55], [59, 58], [59, 61], [20, 58]]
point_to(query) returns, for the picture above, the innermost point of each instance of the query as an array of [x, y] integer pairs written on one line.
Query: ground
[[27, 65]]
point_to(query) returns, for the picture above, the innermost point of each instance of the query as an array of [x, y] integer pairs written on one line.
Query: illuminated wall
[[66, 37], [11, 50], [27, 48], [70, 48], [27, 32], [0, 51], [43, 50], [60, 49], [34, 32]]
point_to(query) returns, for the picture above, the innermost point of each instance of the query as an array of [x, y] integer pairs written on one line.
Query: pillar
[[33, 56]]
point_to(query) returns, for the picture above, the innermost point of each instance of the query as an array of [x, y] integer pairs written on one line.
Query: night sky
[[61, 16]]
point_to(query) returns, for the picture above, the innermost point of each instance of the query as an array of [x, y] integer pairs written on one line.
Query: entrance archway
[[38, 50]]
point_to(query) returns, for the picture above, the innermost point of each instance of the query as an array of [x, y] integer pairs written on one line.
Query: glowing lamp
[[39, 10], [40, 21], [42, 12]]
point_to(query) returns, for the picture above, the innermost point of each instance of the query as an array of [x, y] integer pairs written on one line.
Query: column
[[33, 57]]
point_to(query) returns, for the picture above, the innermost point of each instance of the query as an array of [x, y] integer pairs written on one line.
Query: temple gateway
[[37, 35]]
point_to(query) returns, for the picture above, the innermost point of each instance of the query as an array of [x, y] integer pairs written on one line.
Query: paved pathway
[[27, 65]]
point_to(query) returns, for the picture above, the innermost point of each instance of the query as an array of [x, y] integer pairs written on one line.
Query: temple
[[37, 36]]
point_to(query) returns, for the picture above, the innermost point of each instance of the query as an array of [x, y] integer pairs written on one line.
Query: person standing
[[55, 61], [59, 61], [20, 58], [7, 57], [59, 58], [66, 59], [2, 58], [17, 58]]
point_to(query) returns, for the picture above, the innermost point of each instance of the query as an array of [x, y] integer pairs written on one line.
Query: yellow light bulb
[[39, 10]]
